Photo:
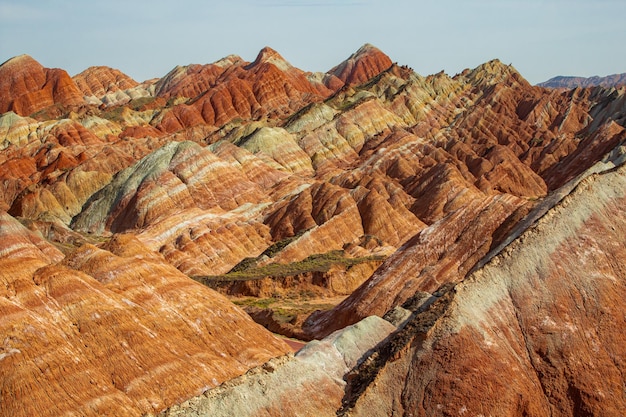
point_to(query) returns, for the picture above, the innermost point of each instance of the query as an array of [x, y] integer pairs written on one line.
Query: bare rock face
[[177, 176], [308, 384], [18, 242], [192, 80], [177, 199], [98, 81], [110, 331], [546, 308], [533, 308], [280, 149], [26, 87], [114, 194], [365, 63], [268, 87], [105, 86], [440, 254]]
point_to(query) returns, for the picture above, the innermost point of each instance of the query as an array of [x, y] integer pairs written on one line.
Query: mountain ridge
[[561, 81], [259, 176]]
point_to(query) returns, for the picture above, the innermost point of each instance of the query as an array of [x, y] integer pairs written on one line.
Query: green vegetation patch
[[114, 114], [283, 310], [247, 269], [270, 252], [262, 303]]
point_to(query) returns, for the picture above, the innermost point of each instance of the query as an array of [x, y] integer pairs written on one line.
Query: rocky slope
[[537, 325], [259, 178], [311, 383], [110, 330], [27, 87], [532, 331]]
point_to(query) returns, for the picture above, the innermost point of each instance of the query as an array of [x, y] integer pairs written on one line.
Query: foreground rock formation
[[110, 330], [311, 383], [530, 333], [536, 325], [434, 202]]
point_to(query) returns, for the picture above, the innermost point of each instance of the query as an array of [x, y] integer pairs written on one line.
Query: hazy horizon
[[541, 38]]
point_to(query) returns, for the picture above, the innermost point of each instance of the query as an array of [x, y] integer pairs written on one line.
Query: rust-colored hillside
[[368, 190]]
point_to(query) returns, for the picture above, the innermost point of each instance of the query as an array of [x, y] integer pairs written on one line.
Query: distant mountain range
[[438, 245], [561, 81]]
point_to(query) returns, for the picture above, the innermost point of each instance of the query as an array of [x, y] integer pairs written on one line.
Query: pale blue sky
[[147, 38]]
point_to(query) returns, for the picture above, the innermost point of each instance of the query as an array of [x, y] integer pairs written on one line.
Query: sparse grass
[[65, 248], [249, 263], [296, 116], [314, 263], [278, 246], [138, 103], [350, 103], [262, 303], [285, 310], [114, 114], [55, 111]]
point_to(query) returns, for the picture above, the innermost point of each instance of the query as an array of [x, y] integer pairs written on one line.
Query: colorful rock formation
[[118, 198], [111, 330], [26, 87], [533, 332]]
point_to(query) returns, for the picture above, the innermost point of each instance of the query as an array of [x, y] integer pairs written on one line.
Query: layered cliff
[[110, 330], [27, 87], [533, 332], [118, 198]]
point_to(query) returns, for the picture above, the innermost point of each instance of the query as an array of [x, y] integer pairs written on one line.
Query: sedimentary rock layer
[[111, 330], [26, 87], [308, 384], [535, 328], [114, 193]]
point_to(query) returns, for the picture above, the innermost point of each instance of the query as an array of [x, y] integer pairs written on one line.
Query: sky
[[147, 38]]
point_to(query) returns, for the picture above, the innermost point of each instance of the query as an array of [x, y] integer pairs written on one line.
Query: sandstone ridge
[[480, 215]]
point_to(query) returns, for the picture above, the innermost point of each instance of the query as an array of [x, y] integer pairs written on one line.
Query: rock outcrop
[[98, 81], [119, 198], [533, 332], [110, 331], [105, 86], [364, 64], [308, 384], [27, 87]]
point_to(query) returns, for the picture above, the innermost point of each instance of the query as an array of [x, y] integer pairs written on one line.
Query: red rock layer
[[440, 254], [533, 333], [176, 177], [57, 178], [440, 168], [114, 331], [192, 80], [365, 63], [181, 201], [98, 81], [269, 87], [26, 87]]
